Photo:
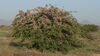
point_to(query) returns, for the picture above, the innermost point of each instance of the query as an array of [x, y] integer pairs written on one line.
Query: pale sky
[[88, 11]]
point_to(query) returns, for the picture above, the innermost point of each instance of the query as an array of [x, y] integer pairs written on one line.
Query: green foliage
[[48, 28], [87, 29], [90, 28]]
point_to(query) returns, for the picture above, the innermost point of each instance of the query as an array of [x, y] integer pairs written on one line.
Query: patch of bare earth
[[95, 55]]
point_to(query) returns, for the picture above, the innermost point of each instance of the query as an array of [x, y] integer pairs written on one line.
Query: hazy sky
[[87, 10]]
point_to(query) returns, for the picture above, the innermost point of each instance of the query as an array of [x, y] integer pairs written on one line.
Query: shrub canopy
[[48, 28]]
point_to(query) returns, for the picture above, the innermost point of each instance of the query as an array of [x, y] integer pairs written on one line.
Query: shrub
[[48, 28], [90, 28]]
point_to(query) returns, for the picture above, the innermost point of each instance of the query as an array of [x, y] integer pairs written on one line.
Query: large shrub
[[48, 28]]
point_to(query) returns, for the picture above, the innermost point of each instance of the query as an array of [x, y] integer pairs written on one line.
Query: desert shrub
[[48, 28], [90, 28], [87, 29]]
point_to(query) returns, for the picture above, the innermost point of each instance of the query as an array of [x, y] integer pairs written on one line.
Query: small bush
[[90, 28]]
